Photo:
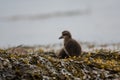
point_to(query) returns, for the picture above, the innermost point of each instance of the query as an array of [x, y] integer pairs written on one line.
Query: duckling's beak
[[61, 37]]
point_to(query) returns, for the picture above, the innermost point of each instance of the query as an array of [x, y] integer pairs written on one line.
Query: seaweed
[[41, 65]]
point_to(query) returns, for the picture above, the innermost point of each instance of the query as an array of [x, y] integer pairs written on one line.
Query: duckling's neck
[[66, 39]]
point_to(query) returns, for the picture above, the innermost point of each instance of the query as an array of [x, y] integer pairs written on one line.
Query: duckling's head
[[66, 35]]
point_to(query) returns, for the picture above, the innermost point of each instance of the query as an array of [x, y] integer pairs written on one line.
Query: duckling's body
[[71, 46]]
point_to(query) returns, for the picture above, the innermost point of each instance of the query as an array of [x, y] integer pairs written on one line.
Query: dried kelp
[[99, 64]]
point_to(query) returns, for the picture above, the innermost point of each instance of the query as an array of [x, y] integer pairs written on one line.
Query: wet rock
[[99, 65]]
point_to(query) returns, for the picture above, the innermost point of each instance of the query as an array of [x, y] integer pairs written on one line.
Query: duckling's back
[[73, 47]]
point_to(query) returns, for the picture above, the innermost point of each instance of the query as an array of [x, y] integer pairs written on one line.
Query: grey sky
[[100, 24]]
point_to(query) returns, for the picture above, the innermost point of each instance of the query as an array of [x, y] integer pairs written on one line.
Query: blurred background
[[40, 22]]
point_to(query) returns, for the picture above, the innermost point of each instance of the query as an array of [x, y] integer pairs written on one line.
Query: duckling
[[71, 46]]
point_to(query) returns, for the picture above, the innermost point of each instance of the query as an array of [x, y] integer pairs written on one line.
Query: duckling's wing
[[72, 47]]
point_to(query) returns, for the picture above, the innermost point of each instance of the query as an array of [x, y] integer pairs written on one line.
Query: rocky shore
[[40, 65]]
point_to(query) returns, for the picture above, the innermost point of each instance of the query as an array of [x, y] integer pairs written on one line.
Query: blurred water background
[[40, 22]]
